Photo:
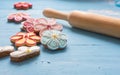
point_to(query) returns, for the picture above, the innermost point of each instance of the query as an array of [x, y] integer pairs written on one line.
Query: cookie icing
[[54, 39], [25, 39], [40, 24], [18, 17], [22, 5], [24, 50], [6, 48]]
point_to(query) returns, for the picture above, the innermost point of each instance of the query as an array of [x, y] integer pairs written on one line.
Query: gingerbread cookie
[[5, 51], [24, 53], [53, 39], [22, 5], [25, 39], [18, 17]]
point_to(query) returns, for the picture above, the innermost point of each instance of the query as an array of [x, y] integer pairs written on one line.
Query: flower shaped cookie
[[28, 25], [18, 17], [53, 39], [25, 39], [49, 24], [22, 5], [40, 25]]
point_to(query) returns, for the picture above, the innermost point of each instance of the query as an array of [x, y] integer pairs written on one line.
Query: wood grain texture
[[87, 53]]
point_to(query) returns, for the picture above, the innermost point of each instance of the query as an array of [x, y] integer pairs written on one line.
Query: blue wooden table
[[87, 53]]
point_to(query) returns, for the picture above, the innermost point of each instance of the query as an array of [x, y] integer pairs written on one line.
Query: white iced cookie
[[53, 39], [6, 50], [24, 53]]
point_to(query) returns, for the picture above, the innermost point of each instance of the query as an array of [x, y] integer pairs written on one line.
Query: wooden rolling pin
[[88, 21]]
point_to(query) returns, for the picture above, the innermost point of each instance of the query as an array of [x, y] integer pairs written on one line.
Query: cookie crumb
[[48, 62]]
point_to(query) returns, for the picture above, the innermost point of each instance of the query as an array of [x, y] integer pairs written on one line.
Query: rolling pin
[[88, 21]]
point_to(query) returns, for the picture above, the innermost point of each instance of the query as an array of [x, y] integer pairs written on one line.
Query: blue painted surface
[[87, 53]]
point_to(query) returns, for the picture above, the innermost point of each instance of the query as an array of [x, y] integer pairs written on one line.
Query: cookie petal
[[20, 42], [27, 24], [11, 17], [39, 27], [41, 21], [18, 6], [30, 29], [35, 38], [62, 43], [18, 18], [25, 6], [62, 36], [15, 38], [30, 42], [47, 33], [57, 27], [45, 39], [53, 44], [51, 21]]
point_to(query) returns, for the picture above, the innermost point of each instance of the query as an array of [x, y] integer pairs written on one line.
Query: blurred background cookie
[[18, 17], [22, 5], [6, 50]]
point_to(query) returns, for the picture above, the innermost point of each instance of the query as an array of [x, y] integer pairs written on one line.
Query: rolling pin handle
[[51, 13]]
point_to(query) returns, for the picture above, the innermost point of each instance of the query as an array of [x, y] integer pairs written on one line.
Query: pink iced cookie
[[28, 25], [18, 17], [40, 25], [22, 5], [49, 24]]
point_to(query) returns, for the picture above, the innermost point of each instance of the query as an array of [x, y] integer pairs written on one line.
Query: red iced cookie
[[18, 17], [40, 25], [22, 5]]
